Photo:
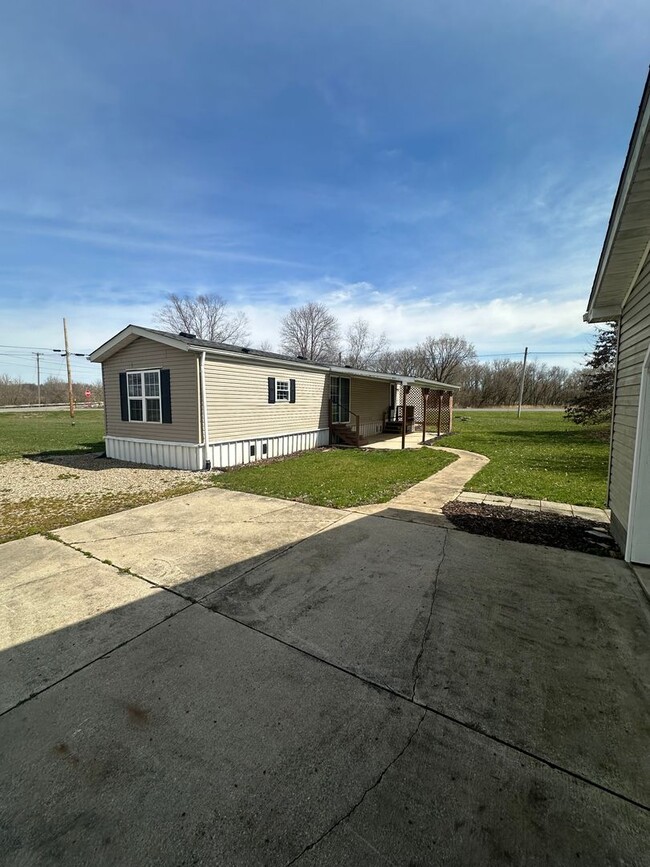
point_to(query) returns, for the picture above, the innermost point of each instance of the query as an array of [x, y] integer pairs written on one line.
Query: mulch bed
[[536, 528]]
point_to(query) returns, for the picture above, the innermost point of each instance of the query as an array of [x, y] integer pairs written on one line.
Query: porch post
[[439, 410], [451, 410], [329, 419], [425, 395], [405, 391]]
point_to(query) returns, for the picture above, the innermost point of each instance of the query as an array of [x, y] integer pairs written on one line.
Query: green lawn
[[337, 478], [30, 433], [540, 455]]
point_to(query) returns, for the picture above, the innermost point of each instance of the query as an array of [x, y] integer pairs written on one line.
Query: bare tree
[[312, 332], [266, 346], [443, 357], [13, 391], [407, 362], [205, 316], [364, 347]]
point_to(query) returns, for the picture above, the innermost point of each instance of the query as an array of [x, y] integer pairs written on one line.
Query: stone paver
[[470, 497], [495, 500], [586, 512], [591, 514], [556, 508]]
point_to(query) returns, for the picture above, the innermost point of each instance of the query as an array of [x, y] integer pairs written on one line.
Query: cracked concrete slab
[[198, 542], [204, 736], [59, 611], [201, 740], [450, 800], [357, 595], [544, 648]]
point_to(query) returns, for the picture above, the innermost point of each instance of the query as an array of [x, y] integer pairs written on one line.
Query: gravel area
[[69, 476], [545, 528]]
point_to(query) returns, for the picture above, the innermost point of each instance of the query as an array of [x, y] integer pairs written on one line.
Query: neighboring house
[[174, 400], [621, 292]]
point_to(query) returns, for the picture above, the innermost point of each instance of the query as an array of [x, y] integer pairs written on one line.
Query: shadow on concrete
[[273, 708]]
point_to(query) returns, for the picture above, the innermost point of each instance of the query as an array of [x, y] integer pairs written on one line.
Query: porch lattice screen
[[439, 411]]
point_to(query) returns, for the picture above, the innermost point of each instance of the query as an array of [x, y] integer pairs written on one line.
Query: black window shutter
[[271, 389], [292, 391], [124, 399], [166, 397]]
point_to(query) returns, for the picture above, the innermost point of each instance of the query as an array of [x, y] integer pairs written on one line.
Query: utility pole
[[38, 373], [521, 384], [66, 354], [67, 364]]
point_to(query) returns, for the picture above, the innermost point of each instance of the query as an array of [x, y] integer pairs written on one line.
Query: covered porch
[[384, 410], [394, 441]]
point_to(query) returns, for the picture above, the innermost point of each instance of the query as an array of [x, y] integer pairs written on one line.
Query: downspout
[[205, 445]]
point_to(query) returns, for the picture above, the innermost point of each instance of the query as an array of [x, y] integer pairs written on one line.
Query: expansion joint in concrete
[[54, 538]]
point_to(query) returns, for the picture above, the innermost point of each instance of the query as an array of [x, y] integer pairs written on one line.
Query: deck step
[[347, 436]]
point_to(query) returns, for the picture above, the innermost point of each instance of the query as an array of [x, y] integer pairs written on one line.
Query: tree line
[[312, 331], [15, 392]]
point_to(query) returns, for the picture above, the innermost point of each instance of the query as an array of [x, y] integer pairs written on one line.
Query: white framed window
[[282, 389], [143, 394]]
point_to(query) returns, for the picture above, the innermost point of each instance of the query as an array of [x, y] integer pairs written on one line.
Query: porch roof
[[394, 377]]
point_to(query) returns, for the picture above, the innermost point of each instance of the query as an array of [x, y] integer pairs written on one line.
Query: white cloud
[[492, 324]]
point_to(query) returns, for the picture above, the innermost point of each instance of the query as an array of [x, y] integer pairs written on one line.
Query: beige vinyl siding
[[369, 398], [143, 354], [238, 405], [634, 342]]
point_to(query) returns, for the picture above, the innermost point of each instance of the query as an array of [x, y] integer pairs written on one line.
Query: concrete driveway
[[230, 679]]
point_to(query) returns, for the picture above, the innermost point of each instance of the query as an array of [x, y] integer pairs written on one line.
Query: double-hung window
[[143, 392], [282, 389]]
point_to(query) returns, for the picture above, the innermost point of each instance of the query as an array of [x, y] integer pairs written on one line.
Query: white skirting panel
[[182, 456], [248, 451], [369, 429]]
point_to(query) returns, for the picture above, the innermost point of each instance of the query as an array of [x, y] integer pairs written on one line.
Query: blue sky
[[432, 167]]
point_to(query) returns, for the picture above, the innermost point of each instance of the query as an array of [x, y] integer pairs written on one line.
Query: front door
[[340, 394]]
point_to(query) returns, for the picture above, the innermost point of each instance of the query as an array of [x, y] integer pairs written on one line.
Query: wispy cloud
[[451, 170]]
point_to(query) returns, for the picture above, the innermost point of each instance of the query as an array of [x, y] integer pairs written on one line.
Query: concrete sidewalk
[[283, 684]]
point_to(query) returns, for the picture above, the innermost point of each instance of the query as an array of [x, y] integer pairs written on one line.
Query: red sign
[[87, 392]]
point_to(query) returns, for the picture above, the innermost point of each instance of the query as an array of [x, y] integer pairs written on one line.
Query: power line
[[46, 348], [530, 352]]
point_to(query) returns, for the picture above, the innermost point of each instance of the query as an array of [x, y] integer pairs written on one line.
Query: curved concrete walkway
[[428, 497]]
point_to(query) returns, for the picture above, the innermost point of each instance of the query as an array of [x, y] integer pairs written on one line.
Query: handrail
[[332, 403]]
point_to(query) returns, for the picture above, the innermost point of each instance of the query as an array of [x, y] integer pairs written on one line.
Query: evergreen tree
[[593, 403]]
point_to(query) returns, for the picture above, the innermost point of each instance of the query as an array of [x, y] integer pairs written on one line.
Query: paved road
[[524, 409], [55, 408], [223, 678]]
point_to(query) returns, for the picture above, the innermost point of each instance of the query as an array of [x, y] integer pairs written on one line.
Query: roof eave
[[602, 314], [250, 355], [627, 174], [127, 335]]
